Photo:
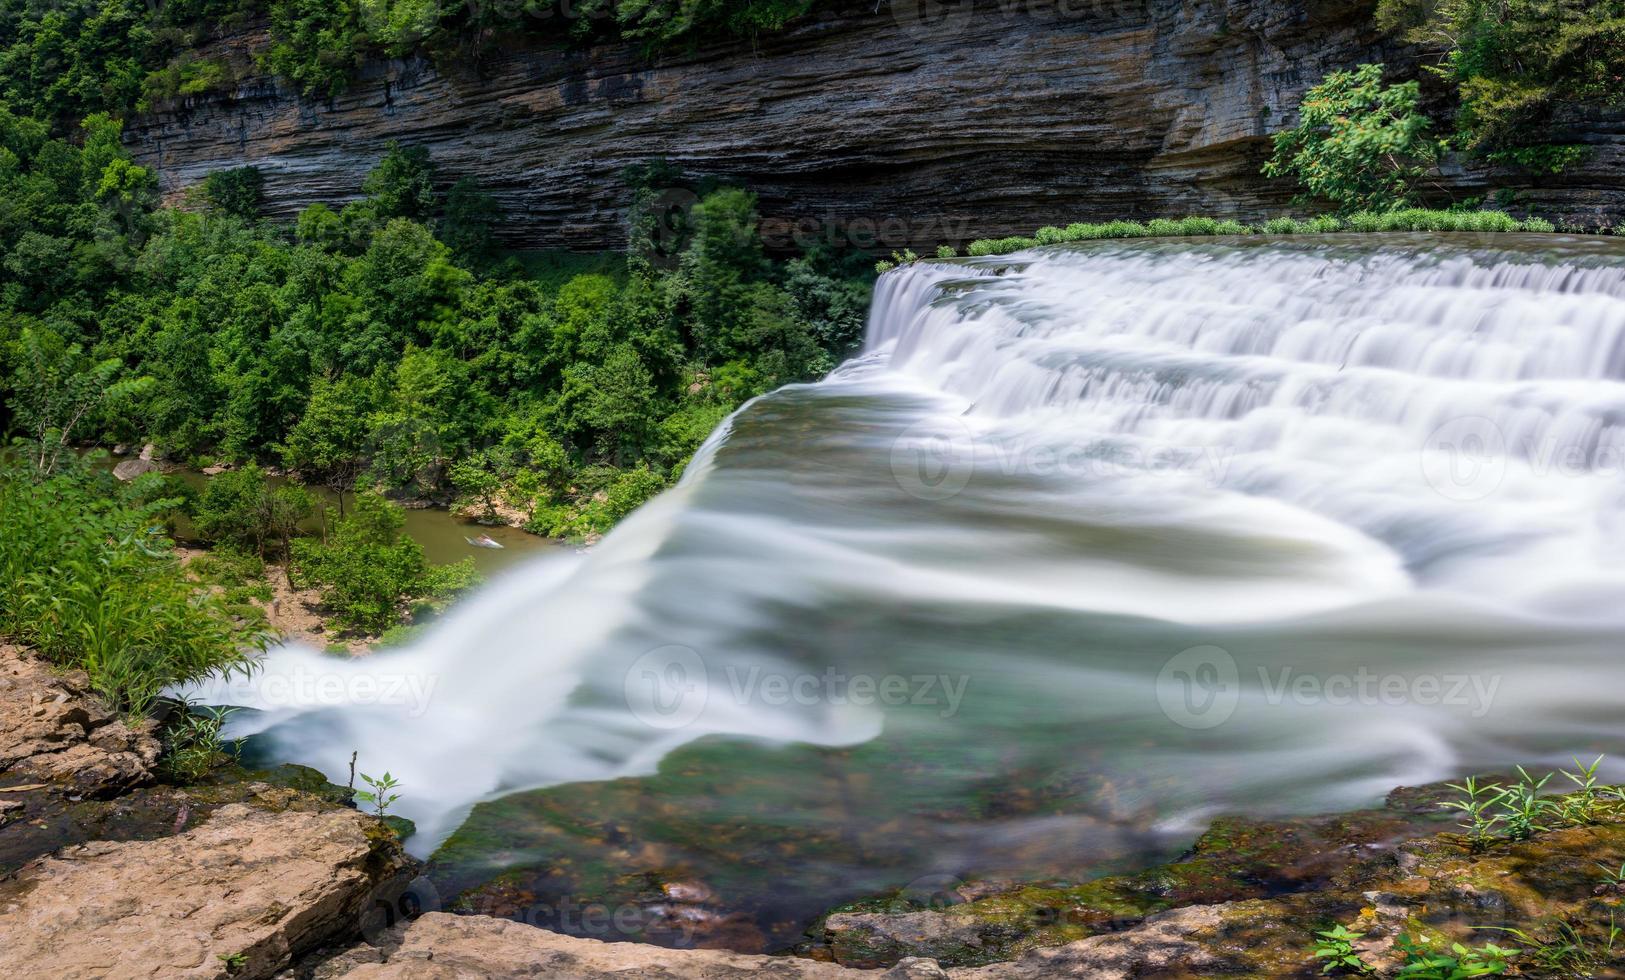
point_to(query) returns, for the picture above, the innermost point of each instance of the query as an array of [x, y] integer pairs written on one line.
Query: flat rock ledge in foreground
[[439, 946], [238, 897]]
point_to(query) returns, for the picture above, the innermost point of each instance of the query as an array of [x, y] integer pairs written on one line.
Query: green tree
[[58, 389], [402, 184], [1358, 143], [1515, 63], [242, 509], [478, 479], [236, 191], [329, 442], [367, 571], [468, 220]]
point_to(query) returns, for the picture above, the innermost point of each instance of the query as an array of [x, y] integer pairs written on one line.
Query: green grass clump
[[89, 579], [1408, 219]]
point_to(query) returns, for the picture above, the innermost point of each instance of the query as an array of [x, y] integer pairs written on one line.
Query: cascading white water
[[1063, 480]]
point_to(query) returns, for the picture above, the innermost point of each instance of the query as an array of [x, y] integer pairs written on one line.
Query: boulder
[[52, 728], [439, 946], [240, 896], [129, 469], [876, 939]]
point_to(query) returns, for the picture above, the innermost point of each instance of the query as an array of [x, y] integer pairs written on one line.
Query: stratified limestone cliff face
[[911, 123]]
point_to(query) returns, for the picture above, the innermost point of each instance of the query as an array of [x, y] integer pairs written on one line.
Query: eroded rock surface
[[905, 124], [451, 947], [53, 730], [239, 896]]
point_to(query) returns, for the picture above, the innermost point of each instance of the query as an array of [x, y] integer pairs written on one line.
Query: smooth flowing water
[[1087, 545]]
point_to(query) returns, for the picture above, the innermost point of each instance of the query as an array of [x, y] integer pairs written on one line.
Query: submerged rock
[[239, 896]]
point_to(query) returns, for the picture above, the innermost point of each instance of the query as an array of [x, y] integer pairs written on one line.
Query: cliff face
[[908, 125]]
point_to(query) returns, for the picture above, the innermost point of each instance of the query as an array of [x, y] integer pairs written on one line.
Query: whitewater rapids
[[1283, 524]]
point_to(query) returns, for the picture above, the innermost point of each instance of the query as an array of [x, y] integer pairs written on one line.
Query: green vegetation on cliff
[[1405, 219], [65, 60], [1516, 64]]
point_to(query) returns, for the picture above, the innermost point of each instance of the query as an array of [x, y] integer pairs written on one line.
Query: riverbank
[[260, 875]]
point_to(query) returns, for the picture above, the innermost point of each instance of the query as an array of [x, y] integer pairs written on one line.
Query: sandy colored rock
[[475, 947], [252, 885], [53, 729]]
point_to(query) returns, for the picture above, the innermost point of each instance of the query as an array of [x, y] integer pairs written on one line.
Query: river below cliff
[[443, 535], [1088, 545]]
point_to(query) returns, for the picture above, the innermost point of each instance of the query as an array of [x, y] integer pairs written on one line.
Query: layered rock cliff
[[912, 122]]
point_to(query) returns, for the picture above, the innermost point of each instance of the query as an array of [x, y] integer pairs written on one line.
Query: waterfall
[[1064, 477]]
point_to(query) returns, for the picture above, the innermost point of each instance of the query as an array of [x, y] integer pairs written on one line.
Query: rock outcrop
[[53, 730], [452, 947], [905, 124], [239, 896]]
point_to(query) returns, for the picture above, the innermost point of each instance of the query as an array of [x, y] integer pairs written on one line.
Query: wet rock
[[239, 896], [1236, 859], [53, 729], [869, 939], [1179, 940]]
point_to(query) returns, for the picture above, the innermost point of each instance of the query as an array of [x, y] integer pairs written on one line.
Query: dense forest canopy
[[386, 343]]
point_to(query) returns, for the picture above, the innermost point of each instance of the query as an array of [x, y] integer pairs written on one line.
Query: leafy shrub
[[1514, 62], [367, 571], [1358, 143], [89, 580], [236, 191], [1407, 219], [241, 508], [193, 746]]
